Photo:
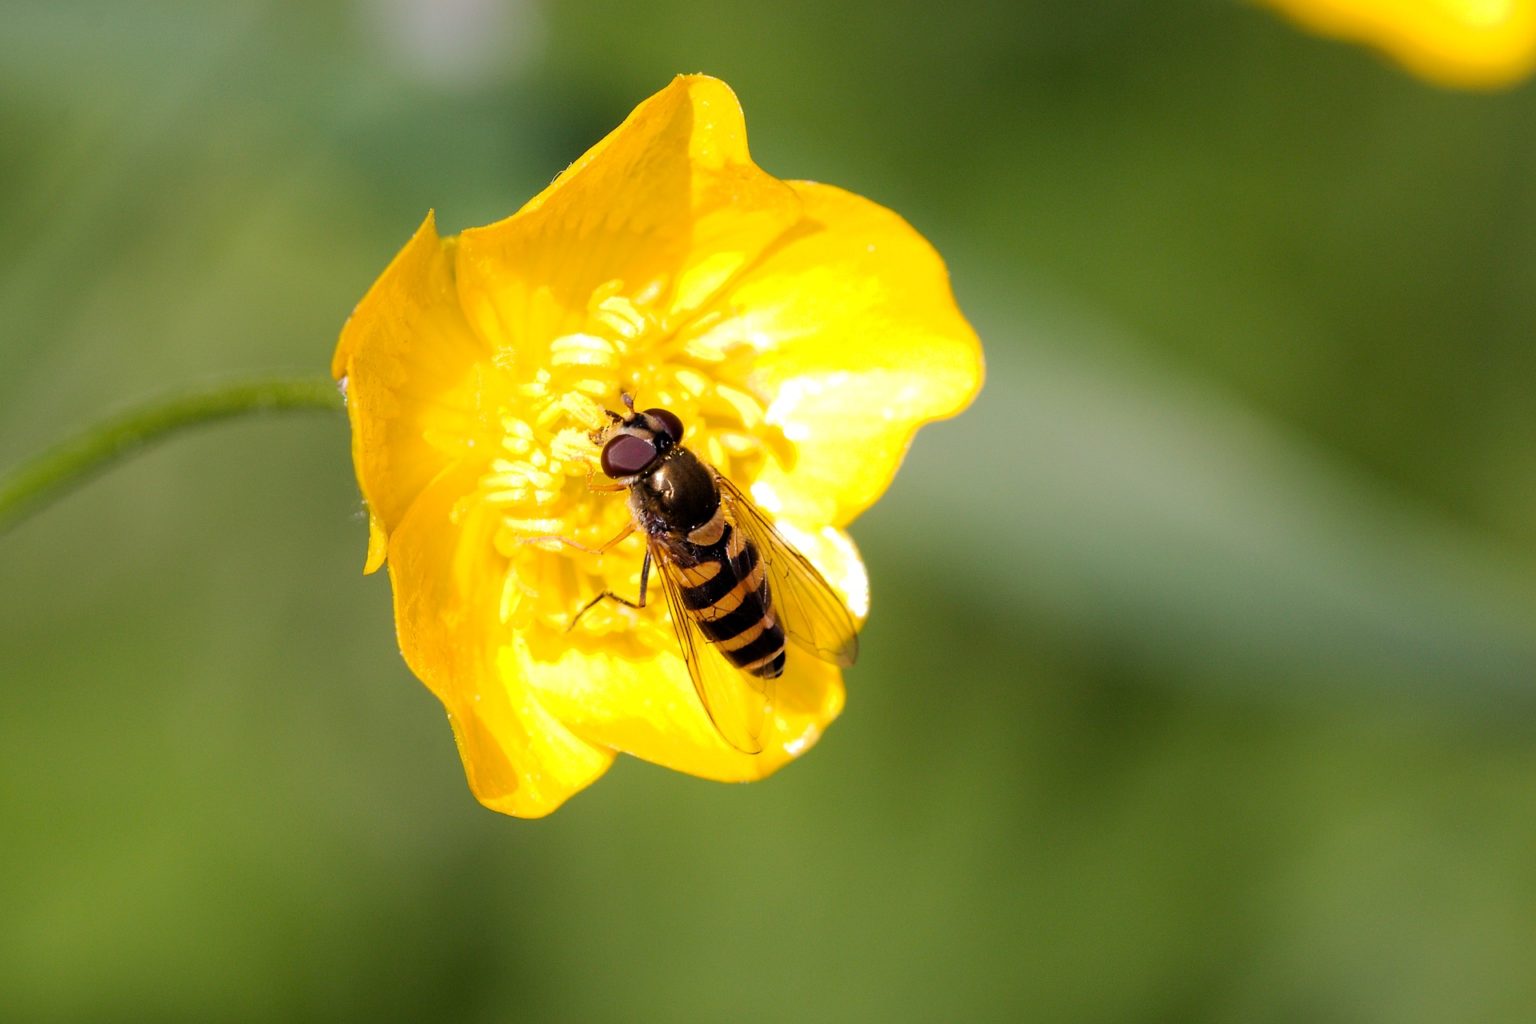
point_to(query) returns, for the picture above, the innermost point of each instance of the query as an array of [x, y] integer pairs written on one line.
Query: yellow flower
[[801, 333], [1478, 44]]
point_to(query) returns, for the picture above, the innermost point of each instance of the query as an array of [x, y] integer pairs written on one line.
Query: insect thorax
[[677, 496]]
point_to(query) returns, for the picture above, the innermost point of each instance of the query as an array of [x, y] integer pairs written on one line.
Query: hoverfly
[[736, 589]]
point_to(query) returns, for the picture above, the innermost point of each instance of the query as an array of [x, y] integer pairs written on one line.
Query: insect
[[737, 591]]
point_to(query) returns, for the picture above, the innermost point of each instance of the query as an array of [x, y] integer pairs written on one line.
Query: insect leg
[[578, 545], [645, 575], [593, 485]]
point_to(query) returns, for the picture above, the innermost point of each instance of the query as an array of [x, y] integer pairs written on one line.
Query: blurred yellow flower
[[801, 333], [1478, 44]]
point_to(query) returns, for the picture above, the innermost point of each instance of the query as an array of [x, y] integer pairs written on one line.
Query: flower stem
[[54, 473]]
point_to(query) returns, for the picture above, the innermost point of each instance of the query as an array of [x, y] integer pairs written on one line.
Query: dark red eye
[[669, 423], [627, 455]]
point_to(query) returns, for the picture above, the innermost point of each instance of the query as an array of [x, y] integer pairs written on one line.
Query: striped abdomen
[[727, 595]]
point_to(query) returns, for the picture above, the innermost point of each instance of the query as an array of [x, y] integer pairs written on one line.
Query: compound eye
[[627, 455], [669, 423]]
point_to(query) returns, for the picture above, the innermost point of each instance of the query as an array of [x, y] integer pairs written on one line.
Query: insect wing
[[739, 704], [807, 608]]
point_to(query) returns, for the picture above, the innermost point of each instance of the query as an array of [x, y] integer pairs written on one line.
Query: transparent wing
[[807, 608], [740, 705]]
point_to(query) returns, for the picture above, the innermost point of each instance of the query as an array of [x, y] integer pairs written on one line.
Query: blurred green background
[[1199, 685]]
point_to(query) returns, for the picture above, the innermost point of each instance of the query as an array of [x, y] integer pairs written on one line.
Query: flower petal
[[646, 706], [412, 370], [1478, 44], [860, 343], [640, 700], [668, 206], [518, 757]]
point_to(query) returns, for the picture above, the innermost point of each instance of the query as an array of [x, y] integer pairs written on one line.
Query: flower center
[[540, 481]]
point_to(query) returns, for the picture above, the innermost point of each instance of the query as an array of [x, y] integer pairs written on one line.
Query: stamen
[[572, 445], [706, 350], [517, 435], [620, 315], [583, 409], [538, 483], [692, 381], [582, 350], [747, 409], [738, 443], [538, 387]]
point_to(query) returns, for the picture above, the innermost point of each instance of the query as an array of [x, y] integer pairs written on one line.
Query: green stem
[[55, 472]]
